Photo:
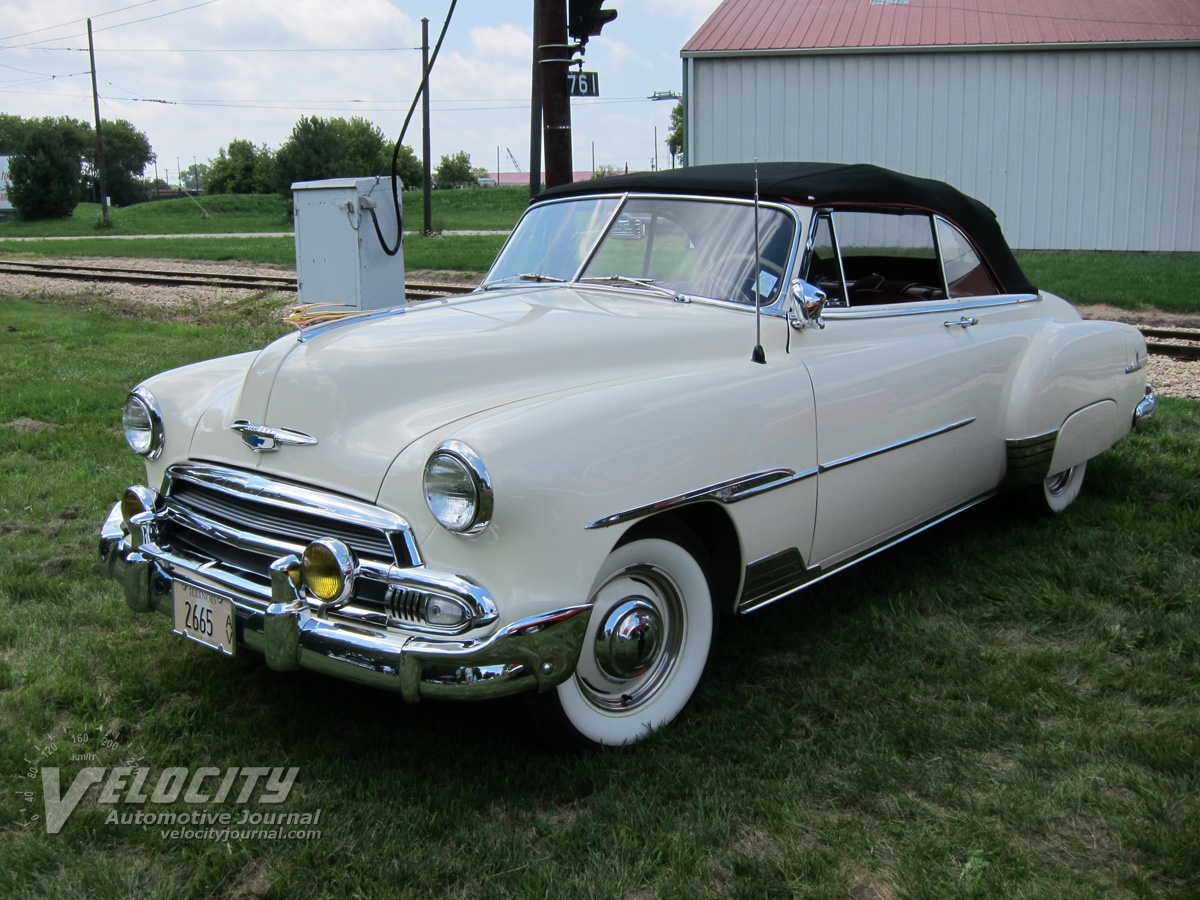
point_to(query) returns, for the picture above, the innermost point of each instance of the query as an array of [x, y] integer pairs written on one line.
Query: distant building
[[1077, 121]]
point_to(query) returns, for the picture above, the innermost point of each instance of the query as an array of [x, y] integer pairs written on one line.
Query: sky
[[194, 75]]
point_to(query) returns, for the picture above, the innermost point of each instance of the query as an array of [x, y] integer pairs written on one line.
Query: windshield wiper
[[638, 282], [524, 276]]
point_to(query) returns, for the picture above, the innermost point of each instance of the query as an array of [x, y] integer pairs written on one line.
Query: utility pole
[[99, 137], [428, 191], [554, 56], [535, 112]]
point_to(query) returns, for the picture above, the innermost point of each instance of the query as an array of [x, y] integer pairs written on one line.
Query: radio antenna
[[759, 355]]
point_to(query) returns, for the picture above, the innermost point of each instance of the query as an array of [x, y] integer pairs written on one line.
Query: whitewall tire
[[1061, 489], [645, 648]]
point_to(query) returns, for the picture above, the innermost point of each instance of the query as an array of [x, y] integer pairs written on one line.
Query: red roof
[[756, 25]]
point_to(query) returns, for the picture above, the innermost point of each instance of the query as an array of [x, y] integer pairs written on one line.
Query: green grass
[[467, 253], [1166, 281], [1002, 708], [206, 215], [491, 209]]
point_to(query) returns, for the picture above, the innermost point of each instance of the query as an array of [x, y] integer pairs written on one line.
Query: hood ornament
[[264, 439]]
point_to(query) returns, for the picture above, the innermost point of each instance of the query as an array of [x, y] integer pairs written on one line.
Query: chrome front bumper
[[293, 633]]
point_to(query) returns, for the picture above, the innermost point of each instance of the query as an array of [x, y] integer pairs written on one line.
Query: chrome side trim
[[778, 565], [726, 492], [939, 307], [237, 483], [895, 445], [1028, 460], [760, 482]]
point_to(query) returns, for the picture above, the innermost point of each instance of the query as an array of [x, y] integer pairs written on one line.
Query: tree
[[454, 171], [368, 152], [314, 151], [675, 138], [13, 130], [44, 175], [195, 177], [242, 168], [604, 170], [127, 152], [408, 167]]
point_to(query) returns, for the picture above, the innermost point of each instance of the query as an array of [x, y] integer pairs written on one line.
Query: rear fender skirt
[[1088, 432]]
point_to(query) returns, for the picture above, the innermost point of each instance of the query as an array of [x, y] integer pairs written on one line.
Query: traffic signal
[[585, 19]]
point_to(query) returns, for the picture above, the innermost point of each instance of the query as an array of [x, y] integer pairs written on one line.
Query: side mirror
[[806, 305]]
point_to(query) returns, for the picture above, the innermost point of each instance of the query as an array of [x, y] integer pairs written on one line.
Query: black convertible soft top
[[822, 184]]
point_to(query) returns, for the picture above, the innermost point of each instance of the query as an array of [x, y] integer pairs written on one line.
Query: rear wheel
[[645, 648], [1061, 489]]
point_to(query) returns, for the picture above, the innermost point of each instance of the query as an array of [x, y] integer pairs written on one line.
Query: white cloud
[[485, 62]]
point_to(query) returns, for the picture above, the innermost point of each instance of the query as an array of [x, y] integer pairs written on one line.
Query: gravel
[[1171, 377]]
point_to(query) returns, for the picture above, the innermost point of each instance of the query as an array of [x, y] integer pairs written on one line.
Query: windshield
[[695, 247], [552, 241]]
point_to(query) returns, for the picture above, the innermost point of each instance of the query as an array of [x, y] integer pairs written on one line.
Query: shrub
[[44, 175]]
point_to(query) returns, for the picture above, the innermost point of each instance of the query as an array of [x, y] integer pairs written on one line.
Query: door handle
[[965, 322]]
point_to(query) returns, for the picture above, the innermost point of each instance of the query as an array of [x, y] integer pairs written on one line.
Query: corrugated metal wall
[[1074, 150]]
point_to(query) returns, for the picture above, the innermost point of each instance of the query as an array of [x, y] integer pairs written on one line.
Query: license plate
[[204, 617]]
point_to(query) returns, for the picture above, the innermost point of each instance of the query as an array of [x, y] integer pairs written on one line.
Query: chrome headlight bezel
[[331, 561], [142, 423], [458, 489]]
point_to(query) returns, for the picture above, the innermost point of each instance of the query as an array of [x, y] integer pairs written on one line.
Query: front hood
[[366, 388]]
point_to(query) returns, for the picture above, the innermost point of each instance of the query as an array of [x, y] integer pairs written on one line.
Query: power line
[[76, 21], [221, 49], [34, 44]]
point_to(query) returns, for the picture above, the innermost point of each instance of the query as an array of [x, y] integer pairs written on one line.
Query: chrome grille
[[243, 522], [252, 514]]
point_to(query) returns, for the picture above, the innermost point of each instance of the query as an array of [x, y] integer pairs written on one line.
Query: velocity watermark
[[125, 787]]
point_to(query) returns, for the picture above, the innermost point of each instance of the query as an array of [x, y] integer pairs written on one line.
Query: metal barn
[[1077, 121]]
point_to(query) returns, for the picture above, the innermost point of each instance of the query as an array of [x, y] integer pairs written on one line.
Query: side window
[[824, 271], [888, 257], [965, 273]]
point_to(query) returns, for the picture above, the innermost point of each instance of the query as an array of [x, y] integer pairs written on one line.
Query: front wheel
[[646, 645]]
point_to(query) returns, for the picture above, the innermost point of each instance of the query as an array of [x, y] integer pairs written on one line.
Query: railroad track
[[1180, 343], [218, 279]]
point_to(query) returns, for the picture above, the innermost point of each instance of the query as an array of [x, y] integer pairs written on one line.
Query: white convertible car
[[675, 395]]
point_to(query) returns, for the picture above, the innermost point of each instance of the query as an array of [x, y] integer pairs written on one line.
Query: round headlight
[[458, 490], [328, 569], [142, 423]]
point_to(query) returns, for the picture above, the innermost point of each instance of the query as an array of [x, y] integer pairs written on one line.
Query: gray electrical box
[[339, 259]]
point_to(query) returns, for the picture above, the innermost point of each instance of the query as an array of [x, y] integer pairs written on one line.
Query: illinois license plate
[[204, 617]]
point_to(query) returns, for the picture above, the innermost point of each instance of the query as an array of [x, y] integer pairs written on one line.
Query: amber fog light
[[328, 570], [136, 500]]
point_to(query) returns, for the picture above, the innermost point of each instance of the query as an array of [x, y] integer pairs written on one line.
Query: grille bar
[[243, 523]]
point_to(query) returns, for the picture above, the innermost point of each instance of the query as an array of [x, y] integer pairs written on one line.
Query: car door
[[909, 376]]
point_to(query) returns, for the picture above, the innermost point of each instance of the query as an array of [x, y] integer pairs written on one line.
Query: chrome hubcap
[[1056, 484], [628, 639], [640, 621]]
